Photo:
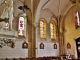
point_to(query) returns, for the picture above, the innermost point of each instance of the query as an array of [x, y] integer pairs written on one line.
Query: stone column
[[61, 43], [61, 37], [31, 35]]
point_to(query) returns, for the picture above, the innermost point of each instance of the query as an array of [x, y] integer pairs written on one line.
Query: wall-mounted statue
[[8, 12]]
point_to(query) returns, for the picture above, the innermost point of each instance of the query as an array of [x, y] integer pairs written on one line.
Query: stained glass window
[[42, 28], [77, 20], [22, 25], [53, 30]]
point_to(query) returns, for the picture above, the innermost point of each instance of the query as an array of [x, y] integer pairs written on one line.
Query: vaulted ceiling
[[53, 7]]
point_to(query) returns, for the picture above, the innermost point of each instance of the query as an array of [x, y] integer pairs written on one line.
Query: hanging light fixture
[[24, 7], [22, 20]]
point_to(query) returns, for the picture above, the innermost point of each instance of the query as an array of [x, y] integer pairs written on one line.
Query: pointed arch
[[63, 15], [48, 10]]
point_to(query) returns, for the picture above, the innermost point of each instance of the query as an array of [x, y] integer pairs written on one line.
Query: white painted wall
[[16, 52], [48, 44], [48, 50]]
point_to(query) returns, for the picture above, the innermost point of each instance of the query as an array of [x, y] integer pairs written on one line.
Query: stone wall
[[71, 33]]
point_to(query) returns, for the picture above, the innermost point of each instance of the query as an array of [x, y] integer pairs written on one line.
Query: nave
[[39, 29]]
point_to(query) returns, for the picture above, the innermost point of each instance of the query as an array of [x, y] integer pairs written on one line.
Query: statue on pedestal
[[7, 14]]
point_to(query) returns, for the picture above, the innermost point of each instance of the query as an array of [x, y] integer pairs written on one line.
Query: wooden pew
[[49, 58], [41, 59], [15, 58], [24, 58], [27, 58], [34, 58]]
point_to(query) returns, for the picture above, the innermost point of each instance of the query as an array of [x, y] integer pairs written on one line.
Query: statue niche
[[7, 14]]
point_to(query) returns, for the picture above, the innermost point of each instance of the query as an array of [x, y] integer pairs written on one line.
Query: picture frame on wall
[[41, 46], [68, 45], [55, 46], [24, 44], [13, 45]]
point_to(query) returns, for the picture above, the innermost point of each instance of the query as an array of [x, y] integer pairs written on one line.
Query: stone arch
[[51, 13], [63, 15]]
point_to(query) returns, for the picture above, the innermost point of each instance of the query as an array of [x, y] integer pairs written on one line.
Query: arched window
[[77, 20], [22, 25], [52, 30], [43, 28]]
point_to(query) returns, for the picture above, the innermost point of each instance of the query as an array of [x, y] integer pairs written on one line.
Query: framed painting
[[68, 45], [24, 45], [55, 46], [41, 46]]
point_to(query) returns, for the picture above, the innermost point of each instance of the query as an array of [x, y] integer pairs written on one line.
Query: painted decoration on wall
[[68, 45], [24, 44], [22, 25], [55, 46], [77, 20], [41, 46]]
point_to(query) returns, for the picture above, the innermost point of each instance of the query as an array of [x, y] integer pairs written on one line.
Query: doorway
[[78, 47]]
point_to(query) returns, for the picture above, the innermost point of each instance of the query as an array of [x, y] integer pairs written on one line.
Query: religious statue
[[7, 14]]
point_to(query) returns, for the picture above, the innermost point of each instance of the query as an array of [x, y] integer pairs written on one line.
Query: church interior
[[39, 29]]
